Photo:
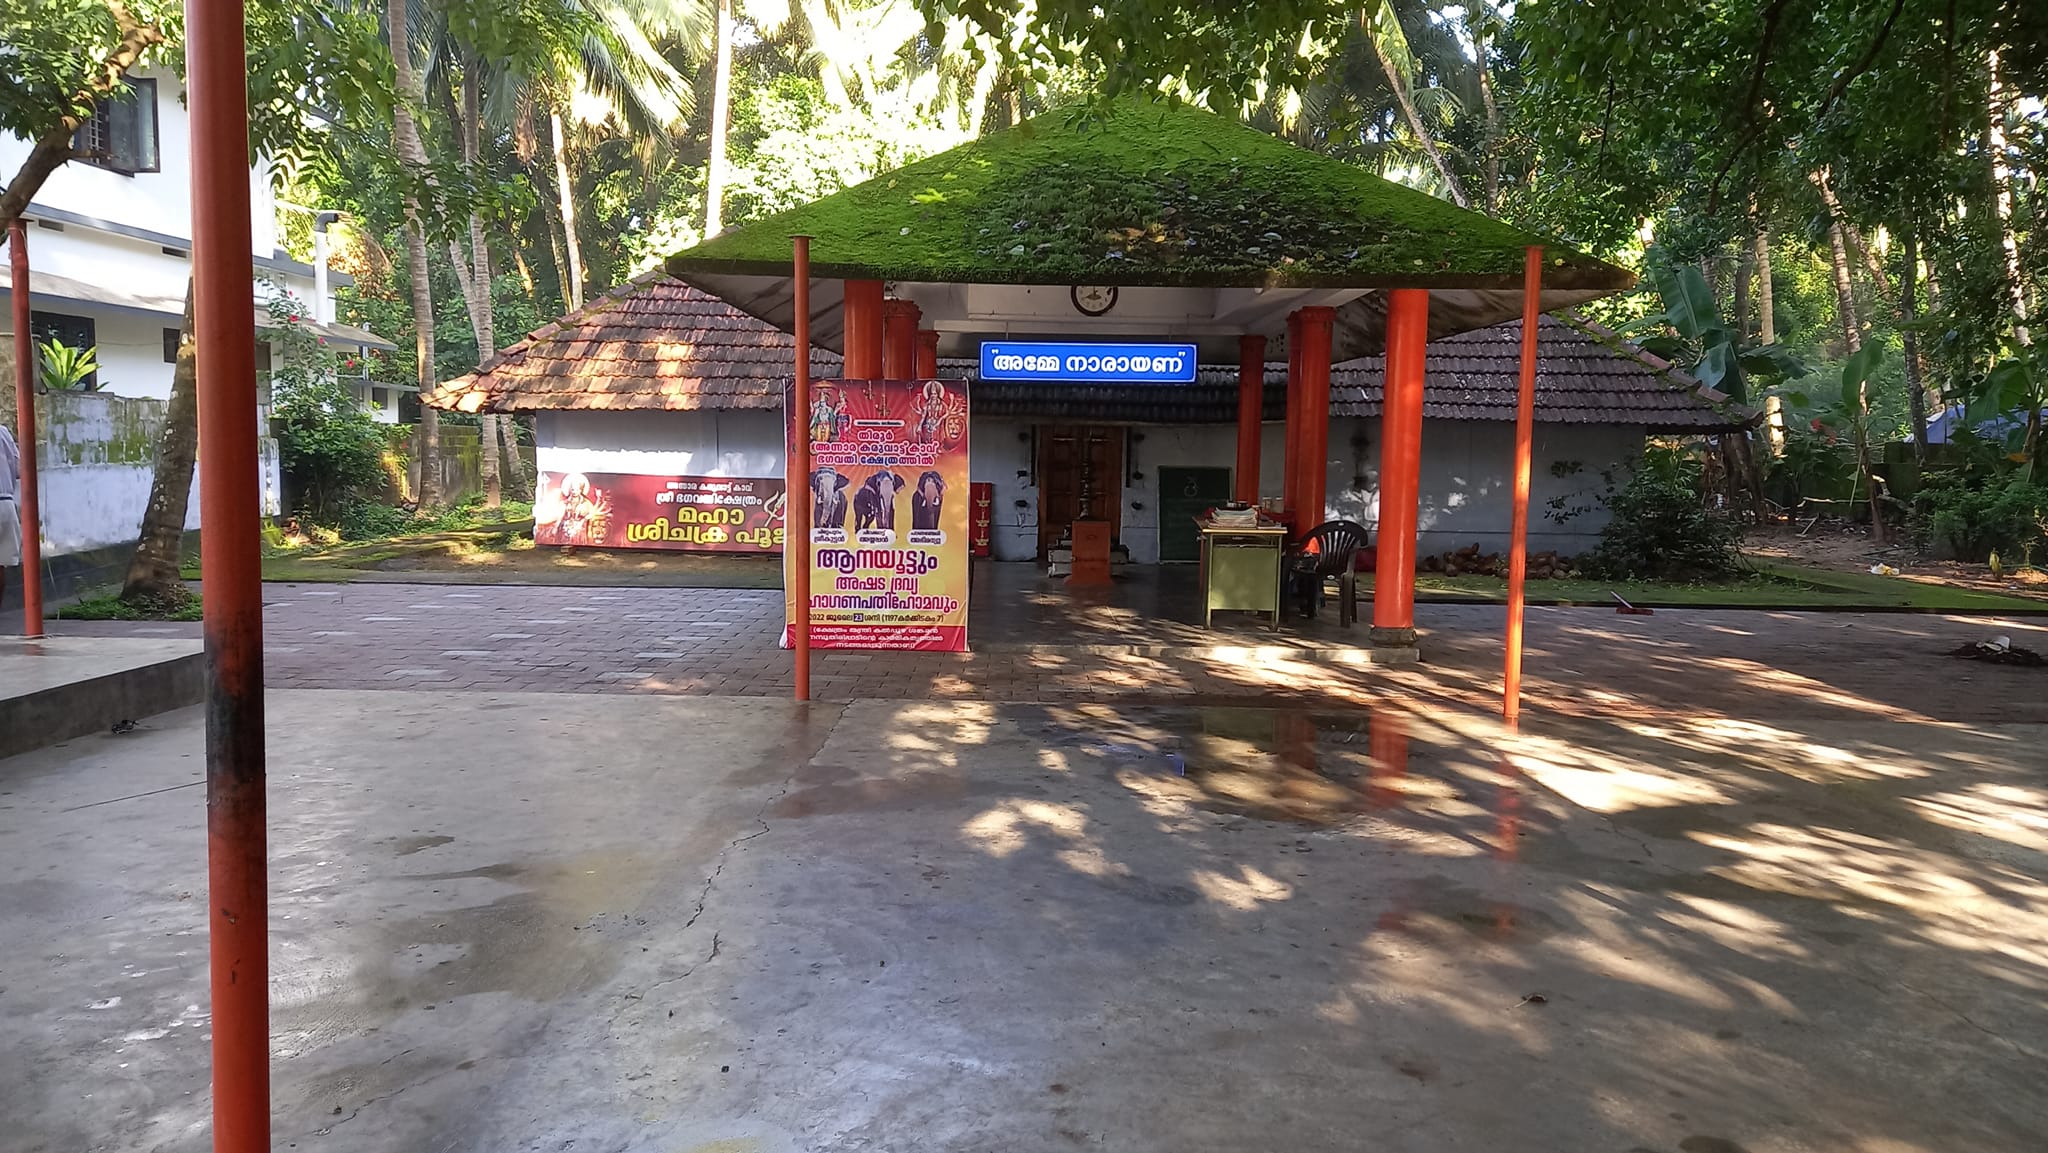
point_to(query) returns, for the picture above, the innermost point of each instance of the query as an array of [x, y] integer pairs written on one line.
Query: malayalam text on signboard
[[887, 508], [632, 510], [1125, 363]]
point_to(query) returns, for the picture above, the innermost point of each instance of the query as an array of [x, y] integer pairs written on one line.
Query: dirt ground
[[1844, 547]]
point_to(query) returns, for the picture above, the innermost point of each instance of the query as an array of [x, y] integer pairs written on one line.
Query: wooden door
[[1080, 470]]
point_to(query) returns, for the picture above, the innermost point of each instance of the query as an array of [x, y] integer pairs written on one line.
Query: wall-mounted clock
[[1093, 299]]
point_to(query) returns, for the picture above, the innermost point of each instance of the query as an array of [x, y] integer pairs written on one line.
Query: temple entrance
[[1080, 472]]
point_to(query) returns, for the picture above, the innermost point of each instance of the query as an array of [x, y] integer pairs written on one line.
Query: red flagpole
[[27, 503], [1525, 433], [796, 505], [238, 911]]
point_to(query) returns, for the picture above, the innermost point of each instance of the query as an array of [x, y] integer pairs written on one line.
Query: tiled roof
[[651, 343], [656, 343]]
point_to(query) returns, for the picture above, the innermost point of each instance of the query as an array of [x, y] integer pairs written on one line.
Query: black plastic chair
[[1336, 545]]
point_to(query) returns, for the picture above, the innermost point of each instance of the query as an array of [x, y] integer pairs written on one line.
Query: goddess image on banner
[[632, 510], [887, 510]]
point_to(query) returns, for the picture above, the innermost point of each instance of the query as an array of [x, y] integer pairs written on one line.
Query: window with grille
[[79, 332], [121, 134]]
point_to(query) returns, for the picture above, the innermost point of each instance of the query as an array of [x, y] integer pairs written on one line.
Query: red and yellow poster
[[888, 512], [630, 510]]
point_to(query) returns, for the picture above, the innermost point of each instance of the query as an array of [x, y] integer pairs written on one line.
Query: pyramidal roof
[[1141, 192]]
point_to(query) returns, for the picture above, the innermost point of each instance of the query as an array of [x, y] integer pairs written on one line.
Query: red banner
[[888, 515], [630, 510]]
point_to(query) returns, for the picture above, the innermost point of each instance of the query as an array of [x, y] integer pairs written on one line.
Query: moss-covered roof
[[1142, 193]]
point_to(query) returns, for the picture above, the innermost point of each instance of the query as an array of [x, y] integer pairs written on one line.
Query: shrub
[[332, 451], [1976, 517], [1658, 528]]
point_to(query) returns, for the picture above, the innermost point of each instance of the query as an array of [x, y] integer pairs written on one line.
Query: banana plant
[[2011, 399], [1697, 339], [66, 369]]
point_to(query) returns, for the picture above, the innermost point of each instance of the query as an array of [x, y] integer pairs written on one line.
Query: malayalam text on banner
[[632, 510], [888, 512]]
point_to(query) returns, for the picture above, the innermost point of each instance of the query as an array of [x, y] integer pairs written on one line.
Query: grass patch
[[182, 605], [1771, 586]]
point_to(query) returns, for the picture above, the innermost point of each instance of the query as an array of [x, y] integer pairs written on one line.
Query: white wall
[[700, 443], [95, 455], [130, 345], [159, 201], [1464, 483], [1465, 480], [999, 453]]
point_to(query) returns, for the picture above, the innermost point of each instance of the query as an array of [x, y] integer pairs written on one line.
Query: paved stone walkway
[[1582, 661]]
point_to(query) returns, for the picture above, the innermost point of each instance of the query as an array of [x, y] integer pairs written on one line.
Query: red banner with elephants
[[887, 504], [632, 510]]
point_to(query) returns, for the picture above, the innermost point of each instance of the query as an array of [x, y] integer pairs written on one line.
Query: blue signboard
[[1123, 363]]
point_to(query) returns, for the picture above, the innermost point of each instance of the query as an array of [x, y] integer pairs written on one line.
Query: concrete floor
[[532, 922]]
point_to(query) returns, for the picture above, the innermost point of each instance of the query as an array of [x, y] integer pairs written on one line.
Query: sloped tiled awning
[[1585, 375], [651, 343], [656, 343]]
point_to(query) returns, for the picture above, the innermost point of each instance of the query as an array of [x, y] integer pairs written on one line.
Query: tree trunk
[[525, 272], [1376, 23], [2008, 244], [1766, 304], [1752, 474], [153, 576], [1916, 374], [1852, 338], [1845, 290], [555, 250], [1871, 484], [517, 472], [721, 106], [478, 282], [1491, 171], [1745, 271], [564, 194], [412, 157], [2001, 195]]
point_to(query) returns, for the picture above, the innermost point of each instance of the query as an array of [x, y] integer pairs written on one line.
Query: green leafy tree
[[332, 451], [63, 58], [299, 52]]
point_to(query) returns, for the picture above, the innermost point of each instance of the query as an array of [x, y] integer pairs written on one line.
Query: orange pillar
[[224, 331], [1313, 329], [927, 358], [796, 484], [899, 338], [1251, 413], [1290, 441], [1518, 532], [1393, 596], [863, 329], [26, 503]]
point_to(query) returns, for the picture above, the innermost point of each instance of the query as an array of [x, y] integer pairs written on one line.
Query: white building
[[660, 380], [110, 246], [109, 251]]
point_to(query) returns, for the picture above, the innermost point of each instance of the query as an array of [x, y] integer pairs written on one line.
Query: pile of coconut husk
[[1999, 651], [1469, 561]]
